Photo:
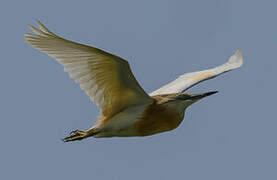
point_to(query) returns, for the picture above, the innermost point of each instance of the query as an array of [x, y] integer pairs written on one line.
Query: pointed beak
[[202, 95]]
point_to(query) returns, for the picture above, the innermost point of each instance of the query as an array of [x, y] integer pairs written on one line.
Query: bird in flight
[[126, 109]]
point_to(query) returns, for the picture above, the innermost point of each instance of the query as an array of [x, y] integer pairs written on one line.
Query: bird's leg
[[75, 135], [79, 135]]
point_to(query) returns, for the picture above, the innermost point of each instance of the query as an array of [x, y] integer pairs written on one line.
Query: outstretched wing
[[106, 78], [190, 79]]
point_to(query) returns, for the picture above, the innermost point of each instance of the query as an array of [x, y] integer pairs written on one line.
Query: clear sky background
[[231, 135]]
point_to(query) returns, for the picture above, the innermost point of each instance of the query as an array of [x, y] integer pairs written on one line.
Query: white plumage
[[106, 78], [126, 109], [190, 79]]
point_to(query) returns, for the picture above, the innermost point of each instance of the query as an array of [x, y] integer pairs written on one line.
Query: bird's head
[[188, 98], [180, 100]]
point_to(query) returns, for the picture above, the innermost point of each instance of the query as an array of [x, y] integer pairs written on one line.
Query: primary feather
[[190, 79], [107, 79]]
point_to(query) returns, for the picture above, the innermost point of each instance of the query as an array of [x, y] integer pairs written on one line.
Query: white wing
[[190, 79], [106, 78]]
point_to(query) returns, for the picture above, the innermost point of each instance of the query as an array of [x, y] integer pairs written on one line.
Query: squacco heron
[[126, 109]]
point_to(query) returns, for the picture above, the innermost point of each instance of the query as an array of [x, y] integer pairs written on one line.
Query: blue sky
[[231, 135]]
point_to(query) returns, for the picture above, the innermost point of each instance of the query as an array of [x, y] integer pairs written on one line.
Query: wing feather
[[106, 78], [188, 80]]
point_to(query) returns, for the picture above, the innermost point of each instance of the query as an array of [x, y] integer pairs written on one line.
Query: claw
[[73, 132]]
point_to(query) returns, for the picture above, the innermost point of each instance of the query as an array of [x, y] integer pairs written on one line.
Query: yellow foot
[[75, 135]]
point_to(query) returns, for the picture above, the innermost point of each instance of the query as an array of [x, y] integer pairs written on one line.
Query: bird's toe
[[75, 135]]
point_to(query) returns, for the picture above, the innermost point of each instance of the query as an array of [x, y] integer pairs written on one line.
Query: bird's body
[[126, 109], [121, 124], [163, 115], [147, 119]]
